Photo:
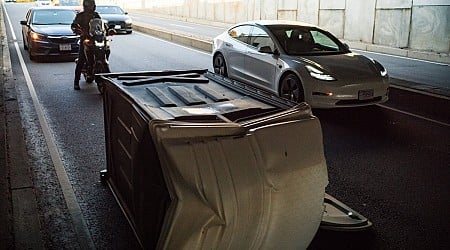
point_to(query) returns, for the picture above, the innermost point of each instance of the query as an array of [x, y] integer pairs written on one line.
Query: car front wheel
[[219, 65], [291, 88]]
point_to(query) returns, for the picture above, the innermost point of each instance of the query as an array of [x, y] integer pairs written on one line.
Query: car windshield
[[52, 17], [109, 10], [300, 40]]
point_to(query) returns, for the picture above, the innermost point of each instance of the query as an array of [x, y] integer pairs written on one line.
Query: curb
[[197, 43], [24, 216]]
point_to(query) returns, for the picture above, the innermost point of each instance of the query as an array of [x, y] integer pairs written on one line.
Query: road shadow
[[56, 59], [343, 240]]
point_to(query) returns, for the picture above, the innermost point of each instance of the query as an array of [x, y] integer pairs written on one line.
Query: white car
[[300, 62], [40, 3]]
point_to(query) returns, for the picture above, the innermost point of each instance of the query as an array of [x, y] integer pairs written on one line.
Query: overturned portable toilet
[[198, 161]]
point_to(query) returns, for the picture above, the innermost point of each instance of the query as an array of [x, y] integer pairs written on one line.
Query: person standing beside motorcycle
[[80, 26]]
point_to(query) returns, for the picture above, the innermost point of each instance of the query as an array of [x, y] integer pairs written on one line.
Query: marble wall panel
[[333, 21], [392, 27], [430, 28], [359, 20]]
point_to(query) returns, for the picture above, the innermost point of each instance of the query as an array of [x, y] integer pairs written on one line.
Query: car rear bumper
[[120, 26]]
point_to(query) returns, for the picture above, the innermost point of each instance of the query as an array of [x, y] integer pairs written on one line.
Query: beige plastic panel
[[255, 188]]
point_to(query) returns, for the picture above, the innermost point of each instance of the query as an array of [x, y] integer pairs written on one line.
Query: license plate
[[365, 94], [65, 47], [117, 27]]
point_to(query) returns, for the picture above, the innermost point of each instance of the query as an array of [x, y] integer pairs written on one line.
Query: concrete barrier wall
[[422, 25]]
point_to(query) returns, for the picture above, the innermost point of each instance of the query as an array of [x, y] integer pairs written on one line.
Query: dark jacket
[[82, 19]]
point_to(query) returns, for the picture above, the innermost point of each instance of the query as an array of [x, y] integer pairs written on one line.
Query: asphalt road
[[392, 167]]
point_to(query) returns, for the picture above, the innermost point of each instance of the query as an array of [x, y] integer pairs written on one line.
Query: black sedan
[[46, 32], [116, 18]]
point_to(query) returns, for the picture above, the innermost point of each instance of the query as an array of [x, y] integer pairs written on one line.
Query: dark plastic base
[[339, 217]]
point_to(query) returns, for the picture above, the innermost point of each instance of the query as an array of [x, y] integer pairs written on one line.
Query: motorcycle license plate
[[117, 27], [65, 47], [365, 94]]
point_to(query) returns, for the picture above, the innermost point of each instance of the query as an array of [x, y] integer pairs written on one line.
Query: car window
[[241, 33], [298, 40], [324, 40], [259, 38], [109, 10], [49, 17]]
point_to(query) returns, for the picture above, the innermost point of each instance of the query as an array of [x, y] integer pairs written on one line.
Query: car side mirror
[[346, 46], [276, 52], [126, 13], [265, 49], [23, 22]]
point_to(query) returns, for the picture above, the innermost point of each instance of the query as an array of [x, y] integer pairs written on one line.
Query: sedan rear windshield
[[301, 40], [109, 10]]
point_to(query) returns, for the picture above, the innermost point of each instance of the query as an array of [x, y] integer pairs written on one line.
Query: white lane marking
[[402, 57], [414, 115], [84, 237], [420, 92]]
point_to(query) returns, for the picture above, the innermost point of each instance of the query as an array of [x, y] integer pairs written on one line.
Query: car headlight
[[128, 21], [318, 74], [36, 36], [383, 71]]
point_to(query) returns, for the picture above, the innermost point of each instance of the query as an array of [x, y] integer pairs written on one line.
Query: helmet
[[89, 5]]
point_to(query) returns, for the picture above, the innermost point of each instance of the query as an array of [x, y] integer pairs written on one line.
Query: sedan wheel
[[291, 88], [219, 65]]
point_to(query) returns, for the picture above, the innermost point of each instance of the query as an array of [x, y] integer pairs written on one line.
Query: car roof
[[51, 8], [107, 5], [278, 22]]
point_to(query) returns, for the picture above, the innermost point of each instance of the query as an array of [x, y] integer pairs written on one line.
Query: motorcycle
[[97, 50]]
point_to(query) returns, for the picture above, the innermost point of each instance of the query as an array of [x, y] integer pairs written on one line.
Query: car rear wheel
[[291, 88], [219, 65]]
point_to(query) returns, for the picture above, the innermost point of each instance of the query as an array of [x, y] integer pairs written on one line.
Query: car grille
[[355, 102], [63, 39]]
